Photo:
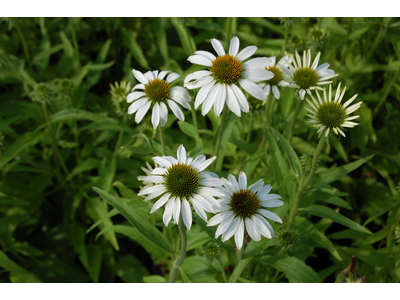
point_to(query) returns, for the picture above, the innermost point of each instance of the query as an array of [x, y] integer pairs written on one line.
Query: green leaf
[[46, 53], [388, 204], [290, 153], [76, 114], [334, 174], [98, 210], [376, 237], [130, 269], [140, 223], [185, 277], [249, 148], [184, 36], [308, 230], [187, 129], [25, 141], [87, 165], [326, 212], [135, 49], [154, 278], [294, 269], [160, 31], [24, 275], [94, 255]]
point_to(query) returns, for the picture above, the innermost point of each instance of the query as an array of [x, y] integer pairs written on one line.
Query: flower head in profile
[[118, 92], [329, 114], [154, 90], [277, 80], [179, 182], [226, 72], [306, 76], [243, 207]]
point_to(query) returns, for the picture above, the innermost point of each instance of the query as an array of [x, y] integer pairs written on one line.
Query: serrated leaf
[[294, 269], [140, 223], [329, 213]]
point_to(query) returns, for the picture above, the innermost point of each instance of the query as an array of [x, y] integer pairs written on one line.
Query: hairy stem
[[304, 184], [162, 139], [219, 139], [294, 118], [177, 263]]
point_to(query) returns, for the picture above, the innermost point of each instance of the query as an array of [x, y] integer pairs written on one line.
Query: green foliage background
[[55, 228]]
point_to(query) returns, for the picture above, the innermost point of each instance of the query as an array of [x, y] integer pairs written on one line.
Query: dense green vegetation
[[62, 133]]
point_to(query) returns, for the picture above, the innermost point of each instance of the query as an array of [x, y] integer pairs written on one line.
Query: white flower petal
[[246, 52], [253, 89], [244, 105], [218, 47], [164, 198], [176, 110], [200, 60], [239, 235], [257, 63], [142, 111], [140, 77], [234, 46], [186, 213], [231, 101], [163, 114], [270, 215], [171, 77], [181, 154], [168, 211], [257, 75], [252, 230], [155, 117], [242, 181], [135, 95], [219, 103], [136, 105], [275, 91]]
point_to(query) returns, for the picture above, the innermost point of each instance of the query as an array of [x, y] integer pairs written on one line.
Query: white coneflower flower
[[307, 76], [331, 115], [242, 206], [179, 182], [153, 90], [226, 71], [277, 79]]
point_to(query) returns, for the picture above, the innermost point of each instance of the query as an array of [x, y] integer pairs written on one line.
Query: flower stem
[[74, 40], [267, 110], [121, 133], [239, 255], [162, 139], [53, 142], [196, 126], [177, 263], [222, 271], [293, 120], [304, 184], [219, 139], [285, 37], [23, 41]]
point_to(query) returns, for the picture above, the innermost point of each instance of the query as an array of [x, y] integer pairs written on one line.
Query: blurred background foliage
[[61, 134]]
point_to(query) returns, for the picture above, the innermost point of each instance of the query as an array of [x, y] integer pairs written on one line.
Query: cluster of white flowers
[[181, 183]]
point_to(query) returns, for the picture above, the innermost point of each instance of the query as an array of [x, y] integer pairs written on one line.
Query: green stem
[[248, 137], [23, 41], [293, 120], [75, 131], [304, 185], [74, 40], [267, 116], [239, 255], [285, 37], [162, 139], [177, 263], [121, 133], [387, 91], [219, 139], [53, 142], [196, 126], [395, 223], [222, 271]]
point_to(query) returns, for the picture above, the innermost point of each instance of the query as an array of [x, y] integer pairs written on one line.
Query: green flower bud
[[211, 251], [287, 239], [41, 93]]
